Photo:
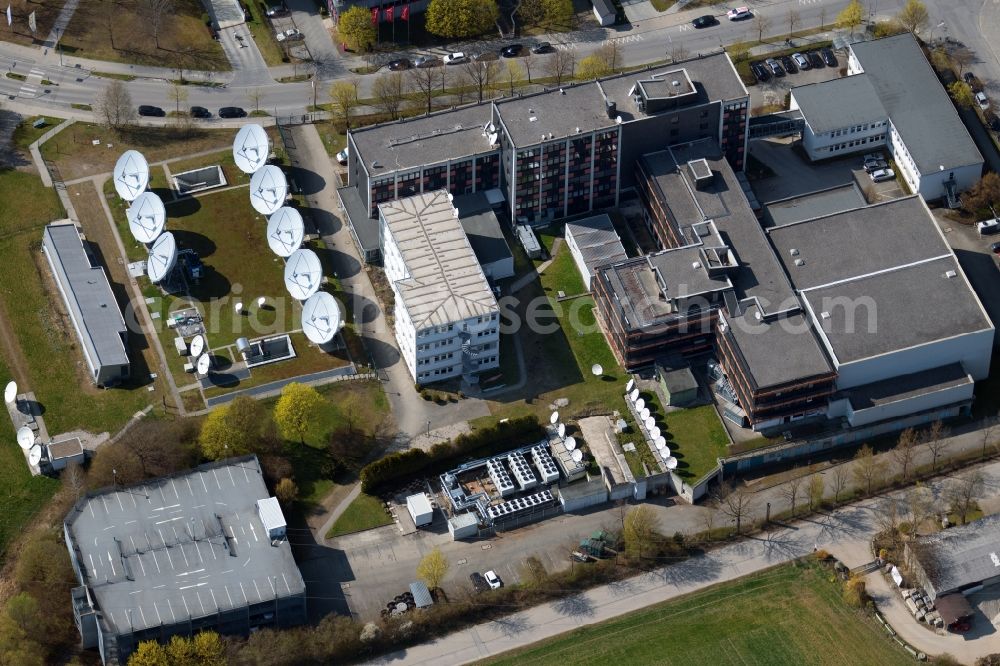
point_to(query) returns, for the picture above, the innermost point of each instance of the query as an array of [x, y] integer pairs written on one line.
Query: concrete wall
[[920, 403]]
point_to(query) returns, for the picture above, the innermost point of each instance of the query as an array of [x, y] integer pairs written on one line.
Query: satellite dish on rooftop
[[197, 346], [146, 217], [321, 317], [35, 455], [597, 369], [562, 429], [650, 423], [640, 404], [577, 455], [131, 175], [634, 395], [10, 393], [303, 274], [554, 418], [285, 231], [204, 364], [25, 438], [251, 148], [671, 462], [570, 443], [654, 432], [643, 413], [268, 189], [630, 385], [162, 257]]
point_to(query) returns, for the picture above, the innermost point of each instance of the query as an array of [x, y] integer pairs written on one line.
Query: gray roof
[[779, 351], [816, 204], [180, 547], [905, 387], [558, 112], [445, 282], [365, 227], [679, 380], [88, 296], [839, 103], [421, 595], [486, 237], [960, 555], [604, 7], [597, 241], [918, 105]]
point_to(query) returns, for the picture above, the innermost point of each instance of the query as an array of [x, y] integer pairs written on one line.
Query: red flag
[[405, 14], [389, 12], [374, 15]]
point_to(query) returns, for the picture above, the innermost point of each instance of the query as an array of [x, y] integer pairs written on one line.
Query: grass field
[[791, 615], [696, 438], [364, 513]]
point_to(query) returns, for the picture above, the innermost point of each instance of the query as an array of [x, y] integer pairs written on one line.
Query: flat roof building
[[593, 242], [177, 555], [90, 303]]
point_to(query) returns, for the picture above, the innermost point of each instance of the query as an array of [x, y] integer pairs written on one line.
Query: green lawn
[[26, 134], [563, 275], [263, 35], [696, 438], [333, 140], [364, 513], [791, 615], [223, 158]]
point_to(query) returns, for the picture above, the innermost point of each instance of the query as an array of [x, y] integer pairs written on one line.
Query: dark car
[[993, 121], [212, 31], [969, 77], [872, 166], [426, 61], [512, 50], [705, 21], [401, 63], [995, 248], [788, 64], [200, 112], [479, 582], [277, 10], [232, 112], [775, 67], [153, 111], [761, 72], [815, 59], [829, 58], [541, 47]]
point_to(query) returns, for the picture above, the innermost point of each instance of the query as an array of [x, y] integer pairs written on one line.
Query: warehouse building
[[958, 560], [199, 550]]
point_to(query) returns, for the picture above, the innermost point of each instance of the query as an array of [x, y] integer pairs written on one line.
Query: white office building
[[446, 318]]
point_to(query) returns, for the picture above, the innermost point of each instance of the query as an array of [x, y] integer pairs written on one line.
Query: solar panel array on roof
[[518, 504], [500, 477], [522, 471], [544, 463]]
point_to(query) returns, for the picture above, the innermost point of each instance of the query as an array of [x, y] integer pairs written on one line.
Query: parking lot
[[774, 91]]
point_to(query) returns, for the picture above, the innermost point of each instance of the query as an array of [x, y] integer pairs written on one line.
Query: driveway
[[249, 68], [978, 262], [321, 47]]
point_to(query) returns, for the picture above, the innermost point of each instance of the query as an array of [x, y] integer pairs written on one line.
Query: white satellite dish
[[597, 369], [634, 395], [665, 452], [261, 302], [131, 175], [321, 317], [285, 231], [251, 148], [10, 393], [268, 189], [640, 404], [654, 432], [630, 385], [25, 438], [643, 413], [650, 423], [661, 442], [554, 418], [197, 346], [303, 274], [204, 363], [562, 429], [577, 455], [146, 217], [35, 455], [671, 462], [570, 443], [162, 257]]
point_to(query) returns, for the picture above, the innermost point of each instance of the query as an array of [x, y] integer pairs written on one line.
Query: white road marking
[[202, 477], [155, 561], [245, 600], [200, 602], [174, 486], [259, 597], [186, 609], [158, 618], [169, 520], [228, 596], [230, 469], [170, 606], [286, 583], [252, 529], [214, 602], [190, 489], [144, 623], [118, 496], [271, 581], [112, 563], [216, 479], [92, 566]]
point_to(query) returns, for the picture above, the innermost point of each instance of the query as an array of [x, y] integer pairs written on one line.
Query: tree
[[154, 11], [838, 480], [297, 410], [222, 436], [560, 65], [790, 492], [983, 196], [388, 90], [592, 67], [737, 504], [149, 653], [480, 74], [528, 61], [816, 490], [22, 609], [209, 649], [855, 592], [255, 95], [762, 23], [424, 80], [962, 494], [866, 468], [941, 59], [74, 478], [905, 450], [988, 431], [913, 16], [610, 52], [640, 530], [513, 75], [677, 52], [461, 18], [286, 491], [115, 108], [962, 93], [963, 57], [851, 16], [433, 567], [545, 12], [344, 99], [919, 502], [355, 28], [178, 95], [936, 437], [793, 20]]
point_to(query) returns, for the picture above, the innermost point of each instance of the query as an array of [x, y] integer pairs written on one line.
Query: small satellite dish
[[321, 317], [131, 175], [643, 413], [650, 423], [630, 385], [562, 429], [577, 455], [251, 148], [665, 452], [146, 217], [654, 432], [197, 346], [634, 395], [285, 231], [10, 393], [261, 302], [268, 189], [303, 274], [25, 438], [597, 370], [238, 307], [162, 257], [570, 443], [35, 455], [671, 462], [661, 442], [554, 418], [204, 363], [640, 404]]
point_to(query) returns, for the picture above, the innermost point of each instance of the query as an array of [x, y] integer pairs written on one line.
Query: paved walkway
[[59, 27]]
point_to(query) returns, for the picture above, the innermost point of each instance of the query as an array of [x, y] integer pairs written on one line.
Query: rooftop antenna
[[303, 274], [671, 463], [321, 317], [34, 455], [577, 455], [643, 413], [251, 148], [131, 175], [570, 443], [204, 364], [650, 423], [268, 189], [561, 429], [634, 395]]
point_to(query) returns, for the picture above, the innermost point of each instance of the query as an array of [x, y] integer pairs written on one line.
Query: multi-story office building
[[446, 318]]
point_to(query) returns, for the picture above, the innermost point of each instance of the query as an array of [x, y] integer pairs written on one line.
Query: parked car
[[151, 111], [982, 100], [290, 35], [455, 58], [739, 13], [200, 112], [761, 72], [828, 57], [342, 156], [479, 583], [541, 47], [882, 175], [232, 112], [427, 61], [484, 55], [512, 50], [706, 21], [875, 165], [988, 227], [815, 59], [801, 61], [775, 67], [277, 10], [969, 77], [400, 63], [995, 248], [788, 64], [493, 579], [993, 121]]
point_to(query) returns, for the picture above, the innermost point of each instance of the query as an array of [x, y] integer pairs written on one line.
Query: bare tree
[[178, 94], [793, 20], [888, 519], [962, 493], [73, 477], [610, 53], [528, 61], [389, 90], [936, 437], [816, 489], [154, 12], [708, 520], [344, 98], [115, 108], [513, 75], [963, 57], [988, 431], [838, 480], [822, 18], [762, 23], [866, 468], [905, 450], [560, 65], [677, 52], [480, 74], [255, 95], [424, 82], [737, 504], [920, 502], [791, 492], [110, 16], [640, 530]]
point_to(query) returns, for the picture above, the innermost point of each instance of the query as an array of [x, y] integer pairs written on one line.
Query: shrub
[[854, 592]]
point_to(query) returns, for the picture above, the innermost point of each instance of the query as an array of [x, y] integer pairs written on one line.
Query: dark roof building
[[957, 559]]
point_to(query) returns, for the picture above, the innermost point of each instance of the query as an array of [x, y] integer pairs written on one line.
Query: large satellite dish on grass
[[146, 217], [251, 148], [10, 393], [162, 258], [203, 364], [321, 317], [303, 274], [285, 231], [268, 189], [197, 346], [131, 175], [35, 455]]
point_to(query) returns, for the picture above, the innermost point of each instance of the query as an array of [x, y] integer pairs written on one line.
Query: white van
[[988, 227]]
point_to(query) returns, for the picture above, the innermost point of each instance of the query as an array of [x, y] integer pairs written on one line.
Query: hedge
[[397, 467]]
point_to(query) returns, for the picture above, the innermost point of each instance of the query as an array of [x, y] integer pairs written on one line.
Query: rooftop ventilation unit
[[799, 262], [701, 172], [612, 109], [696, 265], [824, 315], [794, 252], [950, 274]]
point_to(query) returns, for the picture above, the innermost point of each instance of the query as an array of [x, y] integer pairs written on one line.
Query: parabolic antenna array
[[34, 455], [146, 217], [251, 148], [10, 392], [285, 231], [162, 258], [131, 175], [321, 317], [268, 189], [303, 274], [25, 438]]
